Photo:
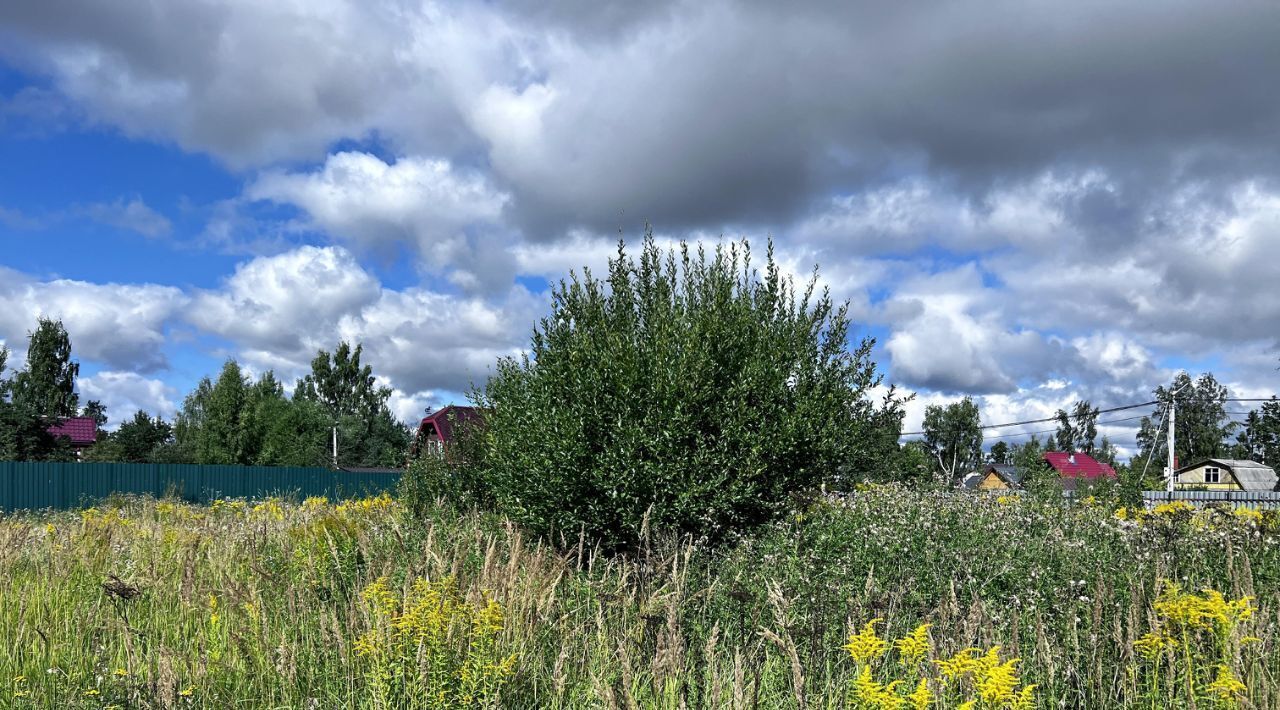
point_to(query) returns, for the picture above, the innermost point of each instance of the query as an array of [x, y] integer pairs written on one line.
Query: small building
[[80, 432], [994, 477], [437, 430], [1076, 468], [1226, 475]]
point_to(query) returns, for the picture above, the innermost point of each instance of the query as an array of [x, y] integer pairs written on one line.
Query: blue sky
[[1030, 206]]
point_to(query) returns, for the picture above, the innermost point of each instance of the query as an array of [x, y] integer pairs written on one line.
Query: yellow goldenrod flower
[[997, 682], [1226, 686], [91, 692], [1173, 508], [869, 694], [379, 596], [1248, 515], [959, 665], [1151, 645], [921, 698], [1025, 699], [914, 646], [187, 691], [120, 673], [865, 644]]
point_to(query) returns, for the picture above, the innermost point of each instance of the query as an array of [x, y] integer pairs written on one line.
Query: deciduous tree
[[686, 391], [46, 385], [953, 435]]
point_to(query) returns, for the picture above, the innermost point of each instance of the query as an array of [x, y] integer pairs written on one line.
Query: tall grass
[[146, 603]]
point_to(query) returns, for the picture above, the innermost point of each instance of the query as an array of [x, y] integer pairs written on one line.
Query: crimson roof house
[[436, 431], [81, 432], [1072, 468], [1075, 468]]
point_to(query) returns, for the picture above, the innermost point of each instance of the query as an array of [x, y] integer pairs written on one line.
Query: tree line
[[952, 440], [233, 419]]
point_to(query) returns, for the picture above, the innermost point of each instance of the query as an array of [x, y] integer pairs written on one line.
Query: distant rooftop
[[82, 431]]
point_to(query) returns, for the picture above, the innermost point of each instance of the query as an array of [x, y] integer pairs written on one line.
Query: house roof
[[82, 431], [442, 420], [1007, 471], [1078, 465], [1251, 475]]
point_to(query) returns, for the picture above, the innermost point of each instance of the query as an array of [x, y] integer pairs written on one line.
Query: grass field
[[889, 599]]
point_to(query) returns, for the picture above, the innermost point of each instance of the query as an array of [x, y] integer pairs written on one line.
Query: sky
[[1026, 202]]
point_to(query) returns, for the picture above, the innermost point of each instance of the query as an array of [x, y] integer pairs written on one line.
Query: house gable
[[1230, 475]]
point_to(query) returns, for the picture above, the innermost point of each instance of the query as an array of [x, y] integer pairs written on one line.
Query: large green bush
[[686, 389]]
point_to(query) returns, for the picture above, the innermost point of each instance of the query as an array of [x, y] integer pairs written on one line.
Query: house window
[[1212, 474]]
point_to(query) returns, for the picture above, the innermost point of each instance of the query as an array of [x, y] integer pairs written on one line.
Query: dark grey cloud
[[690, 114], [249, 83], [747, 113]]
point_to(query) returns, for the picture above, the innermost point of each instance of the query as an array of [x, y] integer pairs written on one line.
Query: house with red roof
[[1076, 468], [80, 432], [438, 429]]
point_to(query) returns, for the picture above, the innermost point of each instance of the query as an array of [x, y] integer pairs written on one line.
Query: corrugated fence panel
[[1248, 499], [31, 486]]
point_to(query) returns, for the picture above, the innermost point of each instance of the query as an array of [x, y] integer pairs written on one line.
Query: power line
[[1048, 419], [1053, 431], [1100, 411]]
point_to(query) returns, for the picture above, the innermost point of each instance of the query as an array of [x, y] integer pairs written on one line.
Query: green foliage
[[372, 440], [455, 474], [290, 433], [5, 383], [686, 390], [1259, 437], [914, 465], [344, 389], [95, 410], [1028, 457], [24, 436], [136, 441], [46, 385], [236, 420], [1079, 430], [341, 385], [209, 425], [1202, 420], [24, 432], [999, 453], [271, 606], [953, 436]]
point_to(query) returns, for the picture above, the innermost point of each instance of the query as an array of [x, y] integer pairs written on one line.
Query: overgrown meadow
[[884, 599]]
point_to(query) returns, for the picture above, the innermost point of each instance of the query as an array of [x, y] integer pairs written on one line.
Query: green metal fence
[[70, 485]]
